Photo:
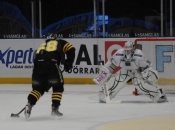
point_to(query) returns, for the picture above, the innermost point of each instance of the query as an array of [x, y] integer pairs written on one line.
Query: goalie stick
[[105, 90]]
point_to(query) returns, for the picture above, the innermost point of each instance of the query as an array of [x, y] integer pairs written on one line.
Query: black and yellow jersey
[[53, 50]]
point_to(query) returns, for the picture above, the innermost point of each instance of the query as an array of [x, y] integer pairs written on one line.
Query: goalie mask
[[129, 48]]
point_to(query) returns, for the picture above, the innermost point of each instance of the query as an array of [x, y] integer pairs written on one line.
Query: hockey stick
[[105, 90], [17, 115]]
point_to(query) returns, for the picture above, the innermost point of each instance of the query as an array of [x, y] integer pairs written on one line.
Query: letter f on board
[[161, 59]]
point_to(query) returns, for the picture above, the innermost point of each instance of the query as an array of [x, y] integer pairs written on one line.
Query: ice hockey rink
[[82, 110]]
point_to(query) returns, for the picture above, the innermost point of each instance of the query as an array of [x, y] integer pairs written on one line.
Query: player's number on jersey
[[51, 46]]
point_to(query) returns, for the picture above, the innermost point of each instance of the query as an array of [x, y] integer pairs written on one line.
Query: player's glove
[[67, 66]]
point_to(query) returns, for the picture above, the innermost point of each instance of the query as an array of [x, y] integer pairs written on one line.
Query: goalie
[[135, 67]]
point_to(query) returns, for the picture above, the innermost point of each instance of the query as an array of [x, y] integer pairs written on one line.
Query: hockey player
[[46, 72], [134, 66]]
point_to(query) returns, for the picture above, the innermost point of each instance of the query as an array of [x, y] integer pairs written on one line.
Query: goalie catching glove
[[67, 65]]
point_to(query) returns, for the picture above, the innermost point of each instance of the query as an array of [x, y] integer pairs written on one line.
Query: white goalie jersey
[[137, 61]]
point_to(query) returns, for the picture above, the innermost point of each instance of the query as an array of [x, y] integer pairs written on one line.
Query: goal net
[[161, 53]]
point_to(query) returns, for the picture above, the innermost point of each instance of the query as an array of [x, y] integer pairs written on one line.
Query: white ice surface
[[80, 107]]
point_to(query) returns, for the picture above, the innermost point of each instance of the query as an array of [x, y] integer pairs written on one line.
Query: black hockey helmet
[[50, 36]]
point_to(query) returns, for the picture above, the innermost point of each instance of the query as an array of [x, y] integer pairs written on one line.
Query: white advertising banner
[[16, 56]]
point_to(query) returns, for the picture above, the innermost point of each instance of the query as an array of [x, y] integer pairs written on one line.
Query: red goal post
[[161, 53]]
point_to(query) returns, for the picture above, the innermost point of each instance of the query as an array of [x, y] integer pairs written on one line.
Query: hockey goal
[[161, 53]]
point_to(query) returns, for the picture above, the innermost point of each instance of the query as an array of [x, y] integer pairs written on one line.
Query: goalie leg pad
[[150, 89], [151, 75], [103, 76], [115, 84]]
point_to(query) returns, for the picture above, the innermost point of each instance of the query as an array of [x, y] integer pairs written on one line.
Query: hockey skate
[[28, 110], [55, 112], [162, 99]]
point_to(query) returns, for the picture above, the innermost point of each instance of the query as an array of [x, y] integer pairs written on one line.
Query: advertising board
[[16, 58]]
